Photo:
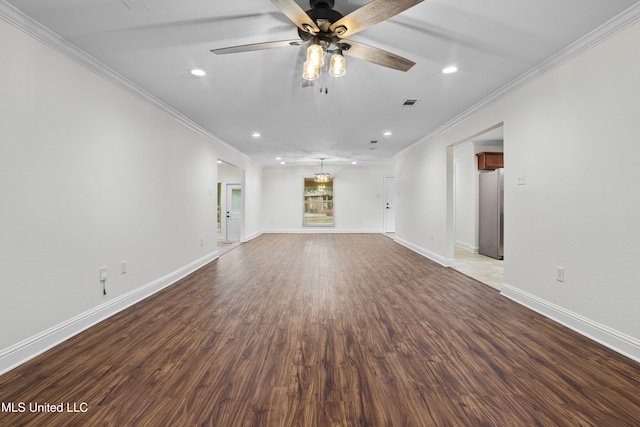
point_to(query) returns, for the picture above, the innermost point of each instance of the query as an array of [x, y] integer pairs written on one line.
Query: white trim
[[603, 32], [28, 25], [252, 236], [445, 262], [29, 348], [615, 340], [467, 246]]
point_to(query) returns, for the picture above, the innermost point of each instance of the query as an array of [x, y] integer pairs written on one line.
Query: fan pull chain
[[325, 78]]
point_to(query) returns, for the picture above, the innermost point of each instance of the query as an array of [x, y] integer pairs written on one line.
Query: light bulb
[[315, 55], [310, 71], [338, 66]]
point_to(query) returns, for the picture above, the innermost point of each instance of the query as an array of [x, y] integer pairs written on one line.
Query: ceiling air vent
[[410, 102], [373, 142]]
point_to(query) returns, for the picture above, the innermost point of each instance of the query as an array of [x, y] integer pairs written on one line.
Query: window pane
[[236, 201], [318, 203]]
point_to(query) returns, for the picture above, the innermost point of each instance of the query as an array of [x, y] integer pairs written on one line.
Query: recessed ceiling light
[[387, 133], [283, 163], [255, 135], [278, 158], [450, 70], [198, 72], [354, 163]]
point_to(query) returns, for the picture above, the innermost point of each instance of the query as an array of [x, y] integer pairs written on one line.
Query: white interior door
[[389, 206], [234, 212]]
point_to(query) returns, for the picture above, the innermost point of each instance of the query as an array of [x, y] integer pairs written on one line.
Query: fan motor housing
[[321, 11], [321, 3]]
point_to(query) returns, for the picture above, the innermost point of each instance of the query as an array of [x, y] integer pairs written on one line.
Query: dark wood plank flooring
[[327, 330]]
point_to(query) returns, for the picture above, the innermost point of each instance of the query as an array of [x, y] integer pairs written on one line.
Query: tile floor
[[482, 268]]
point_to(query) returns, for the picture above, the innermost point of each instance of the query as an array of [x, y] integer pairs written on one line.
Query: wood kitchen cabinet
[[490, 160]]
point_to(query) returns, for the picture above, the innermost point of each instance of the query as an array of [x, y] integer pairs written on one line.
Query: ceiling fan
[[325, 29]]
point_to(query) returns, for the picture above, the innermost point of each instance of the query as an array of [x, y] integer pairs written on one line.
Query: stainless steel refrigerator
[[491, 208]]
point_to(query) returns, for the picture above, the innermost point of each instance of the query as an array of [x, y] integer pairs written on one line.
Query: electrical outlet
[[560, 274], [202, 241], [123, 267], [522, 179]]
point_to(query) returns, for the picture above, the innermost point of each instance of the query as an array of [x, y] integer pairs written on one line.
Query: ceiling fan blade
[[377, 56], [297, 15], [370, 14], [256, 46]]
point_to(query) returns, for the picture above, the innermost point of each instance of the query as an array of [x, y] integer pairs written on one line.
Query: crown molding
[[616, 24], [32, 27]]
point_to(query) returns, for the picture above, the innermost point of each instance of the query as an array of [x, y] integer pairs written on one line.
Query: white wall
[[421, 204], [465, 196], [574, 132], [90, 176], [358, 200]]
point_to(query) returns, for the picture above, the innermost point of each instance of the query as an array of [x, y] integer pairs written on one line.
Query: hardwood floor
[[326, 330]]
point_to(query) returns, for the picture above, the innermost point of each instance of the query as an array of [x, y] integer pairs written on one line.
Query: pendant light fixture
[[322, 176]]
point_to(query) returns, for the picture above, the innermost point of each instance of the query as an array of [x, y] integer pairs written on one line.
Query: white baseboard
[[615, 340], [29, 348], [252, 236], [446, 262], [467, 246], [322, 230]]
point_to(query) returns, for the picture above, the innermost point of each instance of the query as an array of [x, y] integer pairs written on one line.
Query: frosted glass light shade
[[309, 71], [338, 65], [315, 55]]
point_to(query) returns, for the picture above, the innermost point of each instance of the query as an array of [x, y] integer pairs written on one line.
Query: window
[[318, 203]]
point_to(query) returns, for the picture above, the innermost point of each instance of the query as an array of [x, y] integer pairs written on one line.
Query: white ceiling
[[492, 42]]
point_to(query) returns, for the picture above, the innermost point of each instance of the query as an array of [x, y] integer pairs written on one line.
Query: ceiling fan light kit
[[323, 28]]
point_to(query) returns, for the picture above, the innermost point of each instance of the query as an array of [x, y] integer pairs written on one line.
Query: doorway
[[465, 207], [230, 221]]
